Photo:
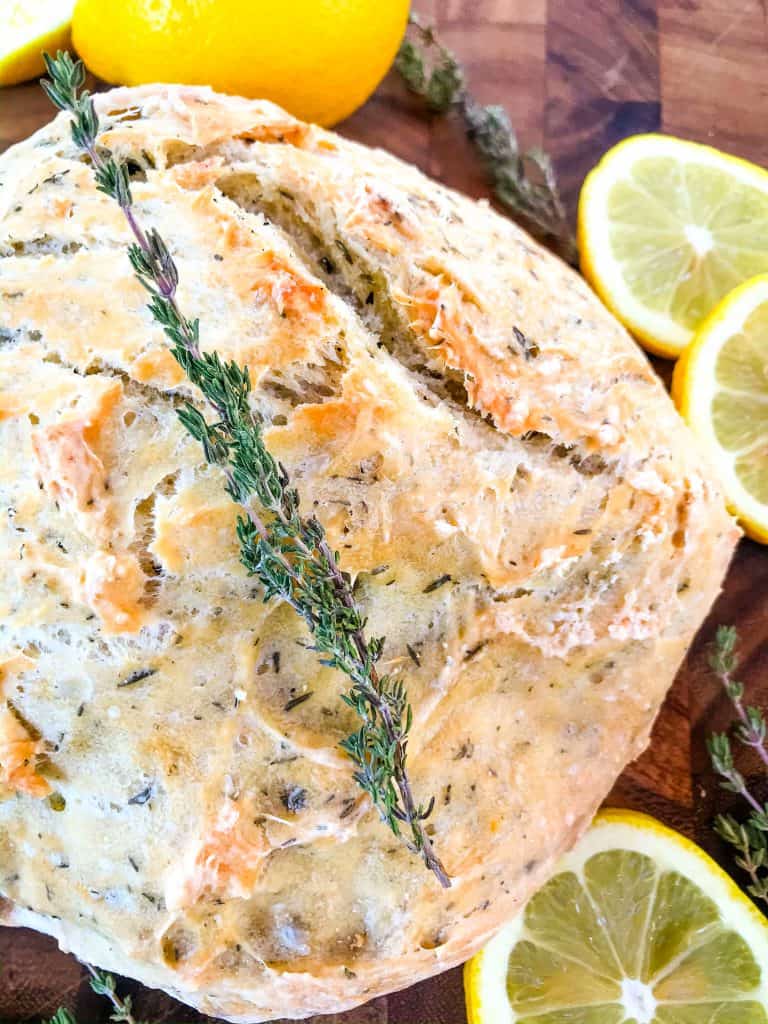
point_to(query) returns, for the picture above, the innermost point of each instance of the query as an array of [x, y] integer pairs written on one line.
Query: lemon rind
[[25, 60], [694, 387], [671, 851]]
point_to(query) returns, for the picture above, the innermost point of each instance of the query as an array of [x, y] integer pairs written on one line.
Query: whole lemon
[[320, 59]]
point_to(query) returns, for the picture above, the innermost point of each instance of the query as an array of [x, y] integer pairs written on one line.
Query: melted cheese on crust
[[18, 755], [113, 586], [227, 862]]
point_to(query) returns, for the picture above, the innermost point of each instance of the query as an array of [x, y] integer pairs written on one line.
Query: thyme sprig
[[749, 839], [429, 69], [103, 984], [523, 181], [751, 726], [287, 551]]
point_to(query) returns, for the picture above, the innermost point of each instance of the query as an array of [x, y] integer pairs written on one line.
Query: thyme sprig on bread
[[524, 182], [749, 838], [288, 552]]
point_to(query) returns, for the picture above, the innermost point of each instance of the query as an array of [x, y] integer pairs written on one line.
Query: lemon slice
[[637, 926], [28, 28], [720, 386], [666, 229]]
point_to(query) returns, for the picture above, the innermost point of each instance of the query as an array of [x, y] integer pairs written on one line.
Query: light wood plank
[[505, 64], [714, 73]]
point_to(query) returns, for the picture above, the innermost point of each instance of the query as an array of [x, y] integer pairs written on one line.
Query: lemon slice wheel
[[666, 229], [720, 386], [638, 926], [28, 28]]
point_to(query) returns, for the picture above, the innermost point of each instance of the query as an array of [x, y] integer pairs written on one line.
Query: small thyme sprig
[[750, 839], [751, 727], [62, 1016], [103, 984], [288, 552], [751, 846], [523, 182], [721, 755], [429, 69]]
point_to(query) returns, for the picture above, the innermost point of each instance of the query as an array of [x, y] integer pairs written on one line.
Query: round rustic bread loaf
[[527, 521]]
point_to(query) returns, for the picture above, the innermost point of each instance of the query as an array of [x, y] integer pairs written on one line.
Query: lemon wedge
[[638, 926], [720, 386], [28, 28], [666, 229]]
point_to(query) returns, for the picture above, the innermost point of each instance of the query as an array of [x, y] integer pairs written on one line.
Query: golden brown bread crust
[[530, 525]]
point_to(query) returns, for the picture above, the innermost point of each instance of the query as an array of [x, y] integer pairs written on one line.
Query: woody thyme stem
[[287, 551]]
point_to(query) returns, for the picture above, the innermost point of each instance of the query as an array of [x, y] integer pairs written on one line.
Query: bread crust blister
[[528, 521]]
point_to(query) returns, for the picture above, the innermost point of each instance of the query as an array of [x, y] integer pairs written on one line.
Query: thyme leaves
[[286, 550], [748, 838]]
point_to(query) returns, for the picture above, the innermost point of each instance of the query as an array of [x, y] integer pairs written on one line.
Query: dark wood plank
[[602, 82], [23, 109], [36, 977]]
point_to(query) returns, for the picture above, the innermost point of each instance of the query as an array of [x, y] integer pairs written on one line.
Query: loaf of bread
[[526, 519]]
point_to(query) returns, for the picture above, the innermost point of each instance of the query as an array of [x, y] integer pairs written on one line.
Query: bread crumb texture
[[527, 520]]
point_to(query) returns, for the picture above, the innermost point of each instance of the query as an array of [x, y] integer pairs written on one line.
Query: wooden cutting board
[[576, 76]]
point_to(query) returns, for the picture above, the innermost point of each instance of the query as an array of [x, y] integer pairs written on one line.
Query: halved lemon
[[720, 386], [666, 229], [27, 28], [637, 926]]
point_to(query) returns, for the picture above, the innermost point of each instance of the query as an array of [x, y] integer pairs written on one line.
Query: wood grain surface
[[576, 76]]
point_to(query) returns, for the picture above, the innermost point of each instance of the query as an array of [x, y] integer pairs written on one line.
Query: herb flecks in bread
[[288, 552], [255, 880]]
